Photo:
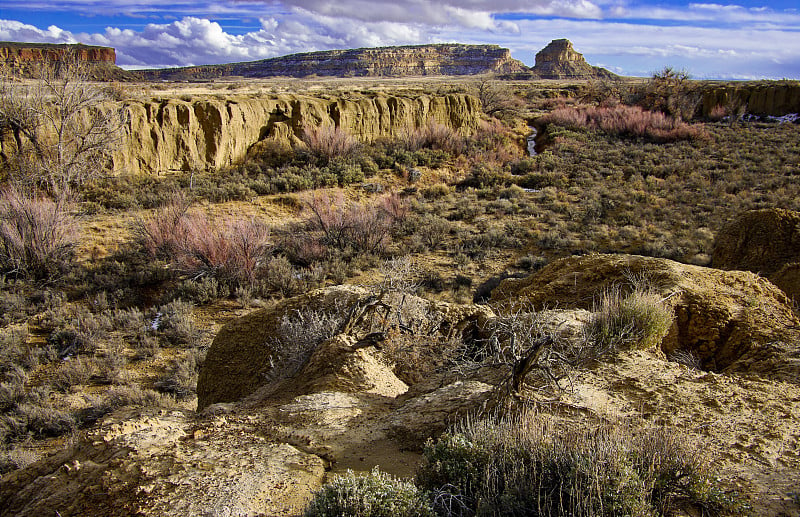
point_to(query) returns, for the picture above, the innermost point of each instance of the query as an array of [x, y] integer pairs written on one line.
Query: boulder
[[244, 355], [159, 462], [731, 320], [761, 241]]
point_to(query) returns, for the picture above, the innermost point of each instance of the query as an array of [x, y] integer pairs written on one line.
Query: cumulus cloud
[[627, 37]]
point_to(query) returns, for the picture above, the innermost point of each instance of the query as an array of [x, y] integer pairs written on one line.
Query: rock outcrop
[[731, 320], [776, 98], [560, 60], [766, 242], [25, 57], [212, 132], [245, 352], [345, 408], [416, 60]]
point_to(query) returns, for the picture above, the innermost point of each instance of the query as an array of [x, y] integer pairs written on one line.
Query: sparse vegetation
[[374, 495]]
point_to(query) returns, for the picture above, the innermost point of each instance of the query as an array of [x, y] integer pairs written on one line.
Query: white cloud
[[752, 43]]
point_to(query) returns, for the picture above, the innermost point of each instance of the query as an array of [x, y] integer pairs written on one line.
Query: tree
[[496, 100], [63, 127]]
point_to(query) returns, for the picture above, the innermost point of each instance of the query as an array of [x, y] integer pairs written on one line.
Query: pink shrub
[[37, 235], [228, 248], [329, 142], [623, 120], [343, 224]]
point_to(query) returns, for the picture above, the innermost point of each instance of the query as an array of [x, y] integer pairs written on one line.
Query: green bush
[[639, 319], [530, 465], [373, 495]]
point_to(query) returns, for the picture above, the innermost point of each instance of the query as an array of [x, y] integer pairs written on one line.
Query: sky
[[745, 39]]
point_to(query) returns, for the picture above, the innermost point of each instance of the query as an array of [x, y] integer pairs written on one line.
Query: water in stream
[[532, 142]]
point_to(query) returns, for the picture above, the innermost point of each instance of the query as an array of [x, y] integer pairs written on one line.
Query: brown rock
[[788, 279], [732, 320], [559, 60], [23, 58], [761, 241], [238, 362], [415, 60]]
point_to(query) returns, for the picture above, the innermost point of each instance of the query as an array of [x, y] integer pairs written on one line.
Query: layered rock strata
[[417, 60], [211, 132]]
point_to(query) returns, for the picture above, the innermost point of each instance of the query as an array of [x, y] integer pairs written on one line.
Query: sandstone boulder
[[244, 355], [761, 241], [732, 320]]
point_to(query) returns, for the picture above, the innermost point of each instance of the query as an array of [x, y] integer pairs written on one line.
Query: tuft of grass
[[639, 319], [374, 495], [530, 465]]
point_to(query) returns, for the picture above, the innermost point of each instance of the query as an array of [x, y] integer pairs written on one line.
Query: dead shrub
[[37, 235], [363, 226], [625, 121], [328, 142]]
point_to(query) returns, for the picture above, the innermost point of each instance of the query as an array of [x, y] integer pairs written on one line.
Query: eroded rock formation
[[348, 406], [213, 132], [776, 98], [416, 60], [766, 242], [731, 320], [24, 58]]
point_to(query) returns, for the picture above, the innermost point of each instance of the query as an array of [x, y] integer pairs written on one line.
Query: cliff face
[[559, 60], [449, 59], [17, 54], [775, 98], [24, 58], [211, 133]]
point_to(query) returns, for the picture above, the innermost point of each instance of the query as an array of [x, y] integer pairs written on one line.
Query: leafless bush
[[63, 127], [37, 235], [299, 334], [623, 120], [327, 142], [164, 231], [431, 136], [364, 226], [496, 99]]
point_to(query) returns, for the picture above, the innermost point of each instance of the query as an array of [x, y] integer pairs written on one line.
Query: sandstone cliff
[[417, 60], [173, 134], [775, 98], [213, 132], [560, 60], [25, 57]]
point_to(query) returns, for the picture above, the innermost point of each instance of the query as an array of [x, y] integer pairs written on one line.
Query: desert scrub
[[374, 495], [531, 465], [638, 319], [37, 235]]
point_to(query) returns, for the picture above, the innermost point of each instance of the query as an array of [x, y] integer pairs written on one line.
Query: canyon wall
[[178, 135], [415, 60], [16, 54], [773, 98]]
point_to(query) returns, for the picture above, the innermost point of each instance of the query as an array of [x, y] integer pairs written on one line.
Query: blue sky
[[739, 40]]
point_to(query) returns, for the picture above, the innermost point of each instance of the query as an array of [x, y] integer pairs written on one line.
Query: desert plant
[[623, 120], [298, 335], [373, 495], [364, 226], [37, 235], [327, 142], [530, 465], [62, 131], [639, 319], [175, 322]]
